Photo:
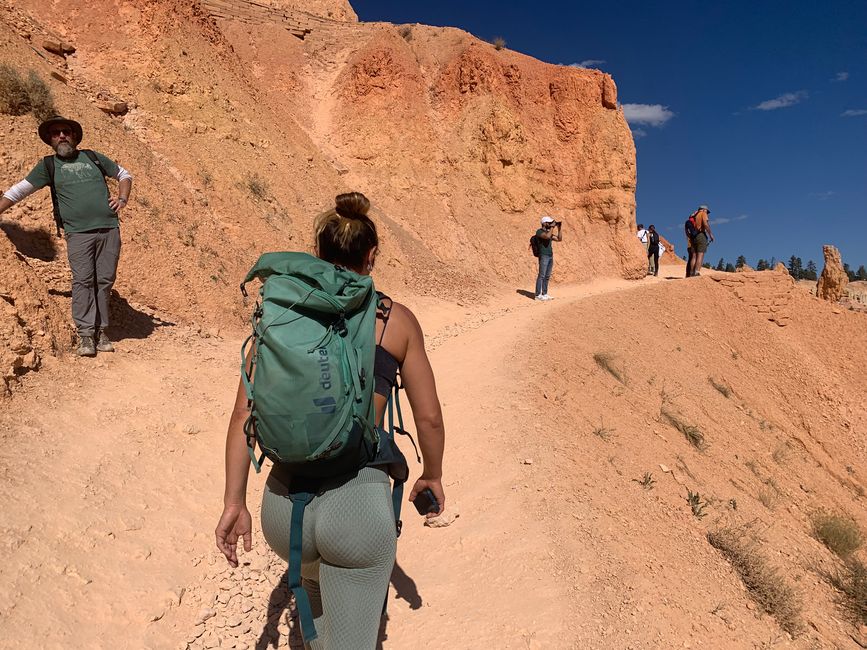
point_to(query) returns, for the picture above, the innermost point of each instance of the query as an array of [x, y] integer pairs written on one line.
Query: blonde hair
[[345, 235]]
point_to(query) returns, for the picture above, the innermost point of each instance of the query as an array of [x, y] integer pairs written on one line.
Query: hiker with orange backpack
[[702, 238], [325, 363], [88, 215]]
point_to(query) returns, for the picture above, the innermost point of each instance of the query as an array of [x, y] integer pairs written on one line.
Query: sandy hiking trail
[[112, 480]]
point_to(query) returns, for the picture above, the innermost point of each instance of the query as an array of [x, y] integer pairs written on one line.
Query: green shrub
[[852, 582], [41, 101]]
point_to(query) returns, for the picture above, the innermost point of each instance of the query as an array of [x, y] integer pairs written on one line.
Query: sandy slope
[[111, 483]]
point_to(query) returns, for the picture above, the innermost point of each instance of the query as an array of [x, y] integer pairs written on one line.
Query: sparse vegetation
[[606, 361], [840, 534], [499, 43], [763, 582], [405, 32], [207, 179], [691, 432], [852, 583], [601, 431], [257, 186], [696, 504], [768, 497], [647, 481], [723, 389], [18, 97]]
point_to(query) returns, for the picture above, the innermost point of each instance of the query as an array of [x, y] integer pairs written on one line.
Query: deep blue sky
[[782, 179]]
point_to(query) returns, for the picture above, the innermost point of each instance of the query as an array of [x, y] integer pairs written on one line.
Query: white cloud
[[854, 112], [783, 101], [589, 63], [650, 114], [841, 76], [822, 196], [639, 133], [721, 220]]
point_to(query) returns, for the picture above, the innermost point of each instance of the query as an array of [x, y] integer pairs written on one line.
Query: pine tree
[[730, 268], [862, 273], [849, 272], [762, 265], [795, 269], [741, 262], [720, 265], [811, 273]]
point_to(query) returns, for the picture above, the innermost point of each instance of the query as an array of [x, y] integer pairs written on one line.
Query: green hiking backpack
[[310, 388], [310, 384]]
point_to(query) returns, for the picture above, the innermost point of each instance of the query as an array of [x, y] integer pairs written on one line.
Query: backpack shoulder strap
[[96, 161], [384, 305], [48, 161]]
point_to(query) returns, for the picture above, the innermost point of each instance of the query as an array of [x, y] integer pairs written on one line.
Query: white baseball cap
[[547, 220]]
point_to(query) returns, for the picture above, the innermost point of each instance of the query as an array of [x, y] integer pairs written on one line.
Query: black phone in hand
[[425, 502]]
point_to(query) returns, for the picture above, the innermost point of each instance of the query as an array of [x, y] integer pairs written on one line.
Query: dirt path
[[111, 482]]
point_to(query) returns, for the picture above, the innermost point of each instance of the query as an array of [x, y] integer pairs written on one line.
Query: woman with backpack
[[349, 535]]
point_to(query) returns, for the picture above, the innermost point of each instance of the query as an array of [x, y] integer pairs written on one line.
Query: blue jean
[[546, 265]]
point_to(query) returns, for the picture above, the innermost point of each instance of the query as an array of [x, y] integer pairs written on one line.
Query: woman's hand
[[436, 486], [234, 523]]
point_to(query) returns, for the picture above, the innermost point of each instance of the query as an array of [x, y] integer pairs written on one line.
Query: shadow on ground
[[404, 589], [127, 322], [38, 244], [526, 294]]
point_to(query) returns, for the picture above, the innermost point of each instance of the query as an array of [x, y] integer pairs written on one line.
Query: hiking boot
[[86, 348], [104, 344]]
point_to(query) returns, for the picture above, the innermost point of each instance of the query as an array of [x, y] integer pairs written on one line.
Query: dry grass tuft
[[257, 186], [691, 432], [18, 97], [606, 361], [852, 583], [723, 389], [405, 32], [602, 431], [764, 583], [840, 534], [499, 43]]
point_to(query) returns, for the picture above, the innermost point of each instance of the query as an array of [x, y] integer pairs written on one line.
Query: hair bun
[[352, 205]]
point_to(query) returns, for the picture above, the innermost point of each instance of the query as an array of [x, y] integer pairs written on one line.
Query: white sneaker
[[547, 297], [540, 297]]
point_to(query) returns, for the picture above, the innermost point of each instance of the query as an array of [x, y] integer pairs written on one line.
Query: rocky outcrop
[[31, 324], [832, 283], [770, 293]]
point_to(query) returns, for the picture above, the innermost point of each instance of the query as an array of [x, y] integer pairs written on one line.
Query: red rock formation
[[832, 283], [769, 292]]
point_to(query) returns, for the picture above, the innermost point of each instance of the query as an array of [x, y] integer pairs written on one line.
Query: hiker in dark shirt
[[88, 215], [653, 249], [545, 236], [349, 535]]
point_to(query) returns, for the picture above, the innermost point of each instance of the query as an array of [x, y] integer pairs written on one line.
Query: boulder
[[57, 47], [832, 283]]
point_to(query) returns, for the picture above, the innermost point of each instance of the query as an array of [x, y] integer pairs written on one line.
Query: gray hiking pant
[[348, 550], [93, 257]]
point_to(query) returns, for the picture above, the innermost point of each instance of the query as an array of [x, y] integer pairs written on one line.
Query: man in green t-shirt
[[88, 215], [544, 237]]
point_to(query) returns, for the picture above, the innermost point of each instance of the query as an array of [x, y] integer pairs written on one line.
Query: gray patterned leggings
[[348, 553]]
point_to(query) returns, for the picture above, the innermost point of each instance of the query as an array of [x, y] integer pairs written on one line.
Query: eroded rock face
[[832, 283], [768, 292], [332, 9], [31, 324]]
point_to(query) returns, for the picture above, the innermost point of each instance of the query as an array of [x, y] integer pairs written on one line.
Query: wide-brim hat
[[57, 119], [547, 220]]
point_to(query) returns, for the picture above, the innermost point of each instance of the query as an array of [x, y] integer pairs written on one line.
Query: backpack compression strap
[[293, 575]]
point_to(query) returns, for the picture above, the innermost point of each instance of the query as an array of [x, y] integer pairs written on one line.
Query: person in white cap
[[545, 236]]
